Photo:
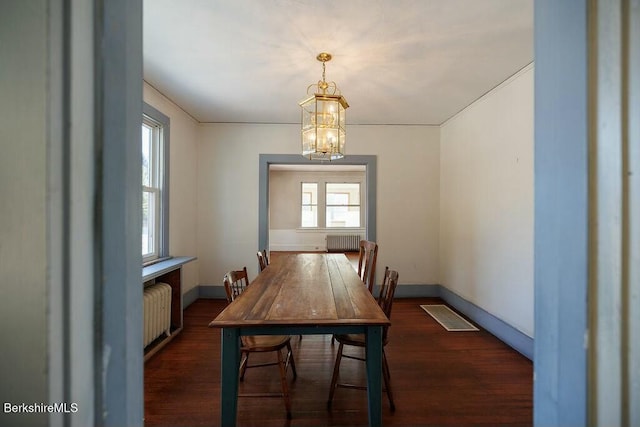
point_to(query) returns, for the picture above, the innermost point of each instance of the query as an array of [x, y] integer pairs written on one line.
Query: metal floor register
[[449, 319]]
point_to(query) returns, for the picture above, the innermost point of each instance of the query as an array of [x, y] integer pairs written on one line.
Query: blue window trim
[[164, 120]]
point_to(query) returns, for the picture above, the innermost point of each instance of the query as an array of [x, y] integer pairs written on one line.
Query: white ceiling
[[395, 61]]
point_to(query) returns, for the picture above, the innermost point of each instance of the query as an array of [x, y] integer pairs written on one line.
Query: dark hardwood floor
[[439, 378]]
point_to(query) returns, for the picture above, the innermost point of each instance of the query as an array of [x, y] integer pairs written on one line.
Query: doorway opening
[[299, 166]]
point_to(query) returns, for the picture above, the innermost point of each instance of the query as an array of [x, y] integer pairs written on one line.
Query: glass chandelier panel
[[323, 120]]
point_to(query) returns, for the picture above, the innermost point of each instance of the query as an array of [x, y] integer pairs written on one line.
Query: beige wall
[[183, 166], [284, 187], [228, 194], [486, 203], [408, 197]]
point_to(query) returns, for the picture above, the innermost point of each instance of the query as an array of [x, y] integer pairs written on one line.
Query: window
[[155, 197], [343, 204], [309, 204], [331, 205]]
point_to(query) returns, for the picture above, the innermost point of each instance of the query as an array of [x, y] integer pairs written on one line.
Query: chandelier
[[323, 119]]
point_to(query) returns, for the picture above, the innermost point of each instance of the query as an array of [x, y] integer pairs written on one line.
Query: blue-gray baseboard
[[191, 295], [502, 330], [212, 292]]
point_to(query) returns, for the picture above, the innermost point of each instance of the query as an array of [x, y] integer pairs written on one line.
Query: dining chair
[[366, 265], [367, 262], [235, 282], [263, 261], [385, 301]]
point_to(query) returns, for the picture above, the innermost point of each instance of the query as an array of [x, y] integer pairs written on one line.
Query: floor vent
[[449, 319]]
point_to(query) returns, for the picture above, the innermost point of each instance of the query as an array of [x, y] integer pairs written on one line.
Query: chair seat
[[350, 339], [357, 340], [257, 343]]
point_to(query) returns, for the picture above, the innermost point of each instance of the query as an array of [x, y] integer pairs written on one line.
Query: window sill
[[325, 230], [155, 261], [159, 268]]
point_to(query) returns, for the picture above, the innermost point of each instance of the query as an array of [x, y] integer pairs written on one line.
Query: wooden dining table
[[313, 293]]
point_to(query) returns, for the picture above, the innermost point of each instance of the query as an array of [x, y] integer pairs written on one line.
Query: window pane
[[309, 193], [148, 223], [309, 205], [343, 216], [147, 151], [154, 148], [306, 198], [338, 198], [309, 216], [343, 193], [343, 204]]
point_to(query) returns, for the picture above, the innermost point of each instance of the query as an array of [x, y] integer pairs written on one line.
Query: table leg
[[374, 374], [229, 376]]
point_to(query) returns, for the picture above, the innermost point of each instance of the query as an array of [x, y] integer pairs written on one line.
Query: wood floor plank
[[440, 378]]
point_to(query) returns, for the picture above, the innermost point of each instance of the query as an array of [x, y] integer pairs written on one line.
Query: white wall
[[486, 203], [183, 200], [408, 193]]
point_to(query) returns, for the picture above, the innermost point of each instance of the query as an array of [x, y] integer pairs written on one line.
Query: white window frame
[[158, 123], [303, 205], [321, 206], [348, 205]]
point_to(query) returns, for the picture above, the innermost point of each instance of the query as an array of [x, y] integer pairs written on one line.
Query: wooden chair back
[[235, 282], [387, 291], [263, 261], [367, 262]]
